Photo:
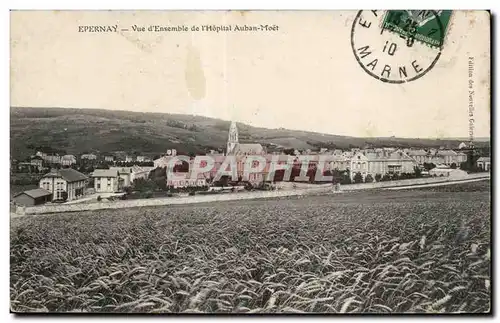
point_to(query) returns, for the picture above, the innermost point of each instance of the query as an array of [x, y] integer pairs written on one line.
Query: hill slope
[[76, 131]]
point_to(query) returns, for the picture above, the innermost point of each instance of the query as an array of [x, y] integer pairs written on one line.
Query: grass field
[[422, 250]]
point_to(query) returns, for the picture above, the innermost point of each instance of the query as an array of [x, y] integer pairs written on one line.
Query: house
[[33, 197], [129, 159], [339, 162], [68, 160], [37, 162], [51, 159], [171, 152], [13, 165], [381, 162], [484, 163], [141, 159], [449, 156], [164, 161], [462, 145], [88, 157], [419, 155], [67, 181], [461, 158], [107, 181], [125, 174], [109, 158], [140, 172], [184, 180]]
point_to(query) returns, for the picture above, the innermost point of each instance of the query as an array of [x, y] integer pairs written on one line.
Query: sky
[[302, 76]]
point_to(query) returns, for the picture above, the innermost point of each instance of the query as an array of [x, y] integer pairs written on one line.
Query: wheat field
[[412, 251]]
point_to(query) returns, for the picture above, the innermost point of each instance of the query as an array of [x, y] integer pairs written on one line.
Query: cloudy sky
[[303, 76]]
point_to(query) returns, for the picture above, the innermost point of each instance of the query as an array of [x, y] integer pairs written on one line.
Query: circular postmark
[[397, 46]]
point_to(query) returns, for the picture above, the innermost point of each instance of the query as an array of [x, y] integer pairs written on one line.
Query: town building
[[129, 159], [182, 180], [109, 158], [484, 163], [381, 162], [68, 160], [451, 157], [129, 174], [171, 152], [235, 148], [33, 197], [139, 172], [37, 162], [125, 173], [421, 156], [51, 159], [339, 162], [107, 181], [88, 157], [164, 161], [66, 181]]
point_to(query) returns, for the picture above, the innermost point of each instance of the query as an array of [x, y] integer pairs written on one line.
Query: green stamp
[[426, 26]]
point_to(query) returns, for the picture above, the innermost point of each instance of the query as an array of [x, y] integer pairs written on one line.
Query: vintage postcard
[[250, 162]]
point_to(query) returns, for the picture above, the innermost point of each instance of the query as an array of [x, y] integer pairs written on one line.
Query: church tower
[[232, 140]]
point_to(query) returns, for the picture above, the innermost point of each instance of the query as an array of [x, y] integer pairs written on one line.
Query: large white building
[[381, 162], [66, 180], [107, 181]]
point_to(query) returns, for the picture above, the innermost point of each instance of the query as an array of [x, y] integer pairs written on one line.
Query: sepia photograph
[[250, 162]]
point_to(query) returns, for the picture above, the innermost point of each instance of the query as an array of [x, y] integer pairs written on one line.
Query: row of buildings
[[370, 161], [71, 159], [67, 184], [42, 160]]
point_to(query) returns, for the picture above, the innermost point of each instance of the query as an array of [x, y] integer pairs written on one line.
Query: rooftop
[[105, 173], [35, 193], [68, 174]]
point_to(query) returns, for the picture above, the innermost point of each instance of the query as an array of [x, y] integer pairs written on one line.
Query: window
[[98, 185]]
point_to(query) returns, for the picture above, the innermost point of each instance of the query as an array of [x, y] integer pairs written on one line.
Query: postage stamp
[[421, 25], [398, 46]]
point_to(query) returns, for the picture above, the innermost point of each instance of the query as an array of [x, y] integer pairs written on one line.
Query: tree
[[453, 166], [378, 177], [429, 166], [144, 185], [418, 171], [369, 178], [161, 183], [385, 178], [64, 196], [358, 178], [346, 178], [395, 176], [128, 190], [223, 181]]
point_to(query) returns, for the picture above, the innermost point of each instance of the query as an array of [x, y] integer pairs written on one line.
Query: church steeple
[[232, 140]]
